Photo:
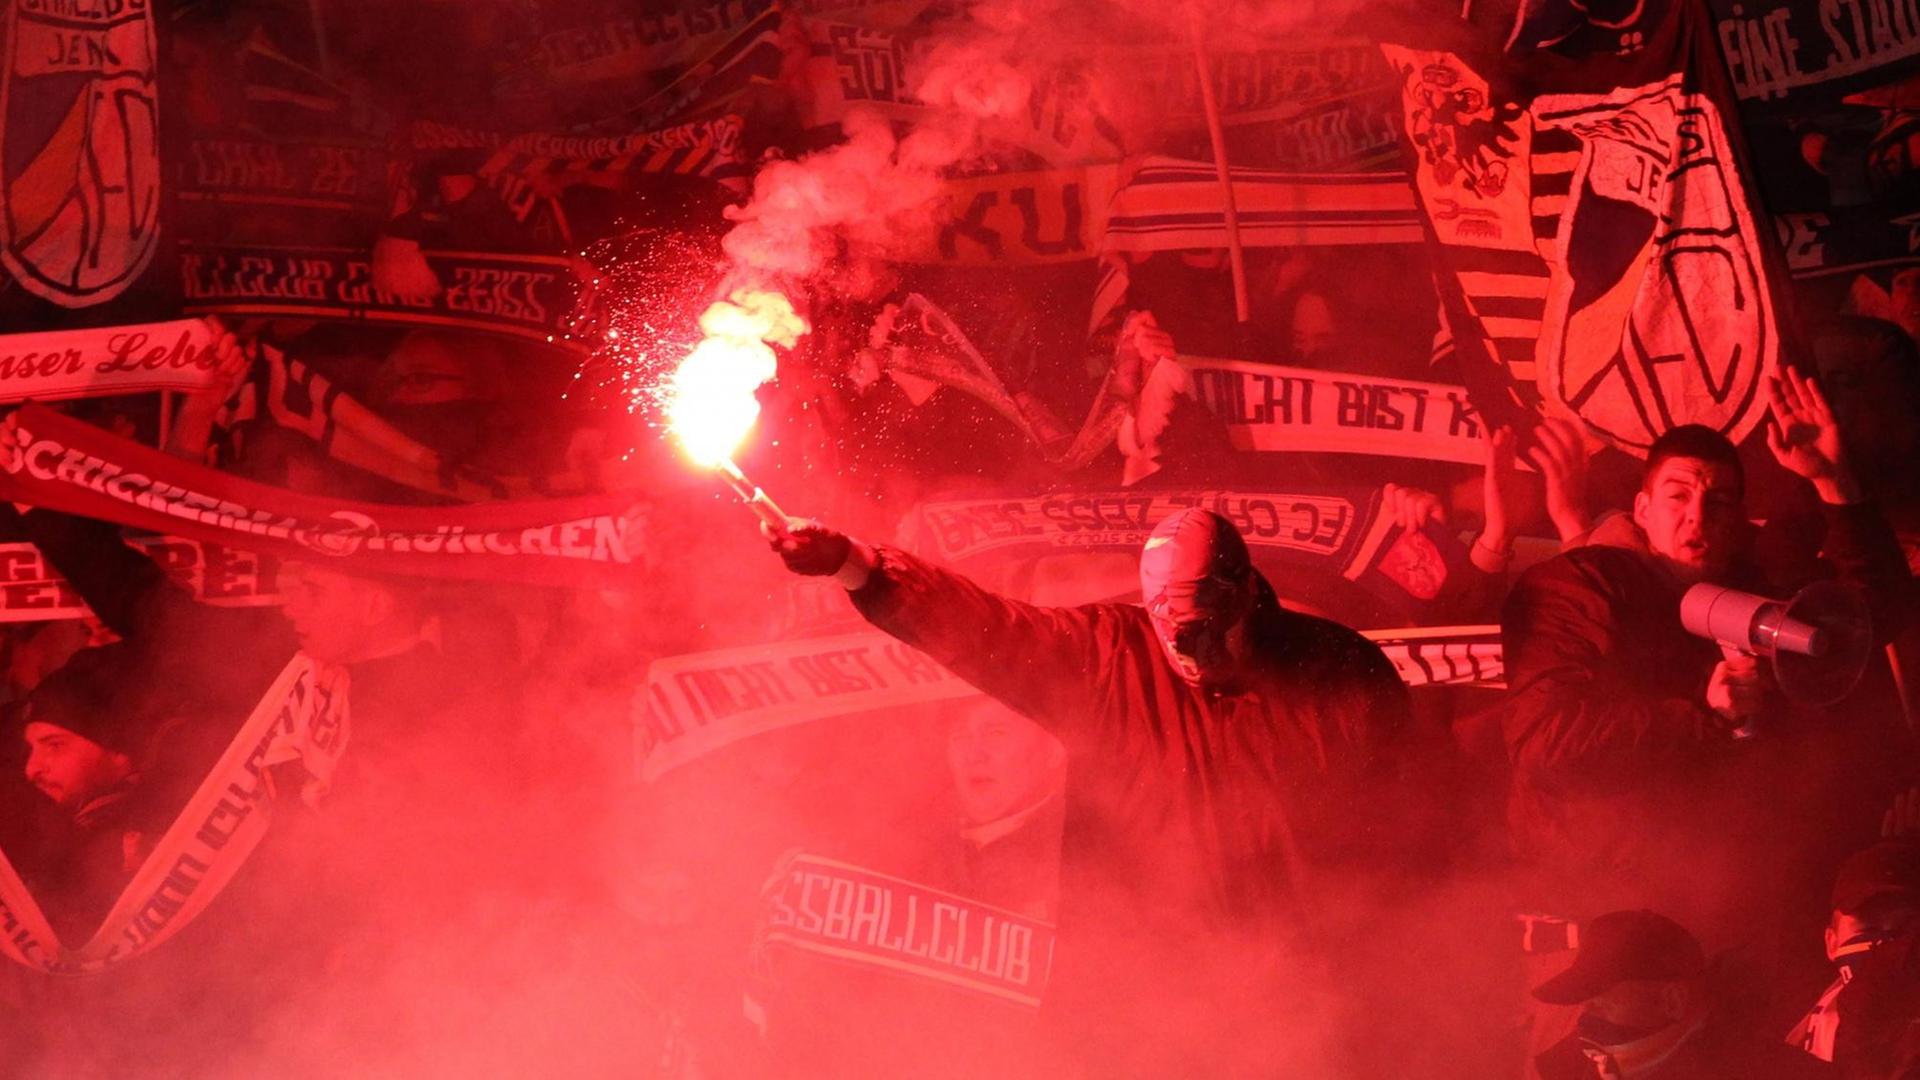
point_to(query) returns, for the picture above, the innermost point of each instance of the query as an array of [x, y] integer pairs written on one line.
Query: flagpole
[[1236, 255]]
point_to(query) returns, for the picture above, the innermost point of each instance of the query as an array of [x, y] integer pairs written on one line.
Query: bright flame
[[710, 403]]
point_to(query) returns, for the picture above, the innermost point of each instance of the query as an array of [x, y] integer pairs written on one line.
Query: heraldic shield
[[79, 147]]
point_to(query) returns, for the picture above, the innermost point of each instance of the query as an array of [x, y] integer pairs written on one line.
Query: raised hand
[[1805, 437], [1560, 453], [1140, 346]]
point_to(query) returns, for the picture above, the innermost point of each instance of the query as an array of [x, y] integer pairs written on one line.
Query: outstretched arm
[[1045, 662]]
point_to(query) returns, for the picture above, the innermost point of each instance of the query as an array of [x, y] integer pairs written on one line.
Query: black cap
[[92, 695], [1624, 946], [1889, 868]]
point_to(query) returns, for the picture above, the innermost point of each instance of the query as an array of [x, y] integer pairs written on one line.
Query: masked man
[[1648, 1011], [1228, 762]]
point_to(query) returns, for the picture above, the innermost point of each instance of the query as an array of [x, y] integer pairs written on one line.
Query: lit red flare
[[710, 402]]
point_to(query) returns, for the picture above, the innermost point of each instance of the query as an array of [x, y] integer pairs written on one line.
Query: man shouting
[[1231, 767]]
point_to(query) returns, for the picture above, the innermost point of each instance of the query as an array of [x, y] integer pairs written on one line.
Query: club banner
[[302, 719], [1595, 234], [1789, 51], [54, 461], [56, 365], [233, 169], [856, 915], [1328, 529], [718, 77], [1267, 407], [620, 52], [33, 591], [80, 181], [1024, 218], [525, 296], [858, 66], [1445, 655], [696, 704]]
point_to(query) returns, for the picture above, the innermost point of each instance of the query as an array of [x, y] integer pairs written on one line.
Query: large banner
[[56, 462], [244, 169], [1267, 407], [860, 916], [1335, 530], [55, 365], [1595, 233], [697, 704], [302, 718], [80, 122], [1790, 50], [527, 296], [31, 590]]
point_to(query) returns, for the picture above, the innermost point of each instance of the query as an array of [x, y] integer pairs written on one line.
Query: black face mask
[[1607, 1033]]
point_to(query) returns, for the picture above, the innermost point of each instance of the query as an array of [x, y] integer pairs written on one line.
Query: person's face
[[1312, 332], [71, 769], [332, 613], [1001, 763], [1640, 1005], [1200, 629], [1691, 512]]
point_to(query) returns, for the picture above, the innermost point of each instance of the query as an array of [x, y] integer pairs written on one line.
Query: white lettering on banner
[[32, 591], [1267, 407], [599, 539], [1772, 50], [696, 704], [302, 717], [1321, 524], [851, 913]]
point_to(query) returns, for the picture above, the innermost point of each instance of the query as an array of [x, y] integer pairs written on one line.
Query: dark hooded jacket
[[1204, 831]]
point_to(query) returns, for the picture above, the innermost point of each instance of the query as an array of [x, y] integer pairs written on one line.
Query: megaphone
[[1819, 641]]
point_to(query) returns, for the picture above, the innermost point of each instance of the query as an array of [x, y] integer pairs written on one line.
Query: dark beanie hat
[[93, 695]]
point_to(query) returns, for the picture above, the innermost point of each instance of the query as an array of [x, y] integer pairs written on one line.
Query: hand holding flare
[[710, 397]]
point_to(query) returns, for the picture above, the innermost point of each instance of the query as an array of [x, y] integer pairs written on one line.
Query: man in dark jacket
[[1630, 785], [1648, 1011], [1231, 766]]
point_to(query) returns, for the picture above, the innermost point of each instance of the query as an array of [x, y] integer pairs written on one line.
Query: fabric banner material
[[1171, 205], [932, 346], [592, 54], [861, 916], [1333, 529], [246, 169], [700, 703], [57, 462], [695, 704], [33, 591], [1022, 218], [1787, 51], [1595, 230], [302, 718], [526, 296], [55, 365], [1268, 407], [859, 66], [80, 182]]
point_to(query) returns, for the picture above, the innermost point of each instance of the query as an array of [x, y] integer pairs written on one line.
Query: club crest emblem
[[79, 147]]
